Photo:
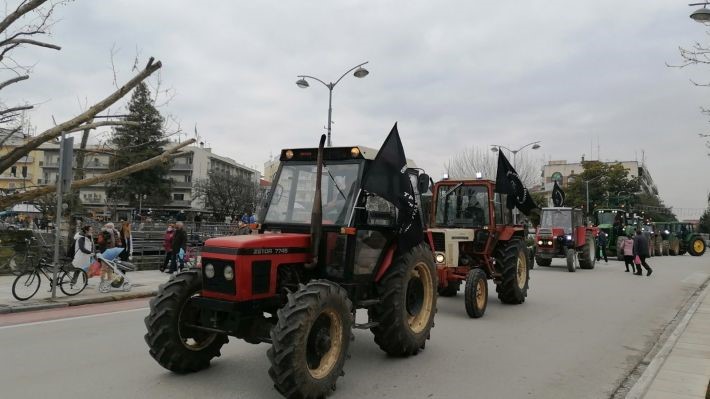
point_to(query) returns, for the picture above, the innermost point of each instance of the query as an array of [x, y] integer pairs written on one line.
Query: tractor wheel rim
[[481, 293], [698, 245], [324, 344], [192, 339], [522, 270], [419, 298]]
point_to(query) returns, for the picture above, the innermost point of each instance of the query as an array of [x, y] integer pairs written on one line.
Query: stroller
[[113, 271]]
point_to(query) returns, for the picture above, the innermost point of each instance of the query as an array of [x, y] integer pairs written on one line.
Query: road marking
[[35, 323]]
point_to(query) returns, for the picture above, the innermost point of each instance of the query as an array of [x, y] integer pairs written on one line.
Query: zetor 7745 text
[[297, 286]]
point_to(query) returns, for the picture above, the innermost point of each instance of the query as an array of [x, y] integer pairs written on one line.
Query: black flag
[[388, 178], [508, 182], [558, 196]]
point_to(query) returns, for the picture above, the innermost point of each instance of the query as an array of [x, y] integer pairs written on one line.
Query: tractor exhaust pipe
[[317, 212]]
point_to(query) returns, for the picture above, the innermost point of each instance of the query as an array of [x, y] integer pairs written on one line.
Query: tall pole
[[58, 220], [588, 212], [330, 110]]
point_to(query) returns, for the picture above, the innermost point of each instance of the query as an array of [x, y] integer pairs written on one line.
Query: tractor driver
[[474, 211]]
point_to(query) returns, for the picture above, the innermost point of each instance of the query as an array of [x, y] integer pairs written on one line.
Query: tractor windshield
[[292, 198], [606, 218], [462, 206], [557, 218]]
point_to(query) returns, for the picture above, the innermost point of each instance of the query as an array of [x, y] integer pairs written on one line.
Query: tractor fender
[[507, 232]]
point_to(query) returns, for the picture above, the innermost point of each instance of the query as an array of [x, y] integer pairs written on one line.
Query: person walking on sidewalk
[[126, 238], [179, 242], [83, 248], [168, 246], [641, 250], [627, 248]]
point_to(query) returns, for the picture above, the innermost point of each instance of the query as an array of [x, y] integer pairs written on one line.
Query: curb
[[641, 386], [77, 302]]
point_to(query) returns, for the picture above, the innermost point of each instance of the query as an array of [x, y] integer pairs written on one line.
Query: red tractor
[[474, 242], [562, 234], [297, 283]]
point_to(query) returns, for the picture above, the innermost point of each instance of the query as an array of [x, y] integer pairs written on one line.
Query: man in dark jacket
[[601, 244], [641, 250], [179, 242]]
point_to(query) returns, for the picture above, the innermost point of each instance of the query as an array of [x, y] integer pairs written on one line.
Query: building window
[[24, 171], [188, 178], [13, 171], [557, 176], [178, 197]]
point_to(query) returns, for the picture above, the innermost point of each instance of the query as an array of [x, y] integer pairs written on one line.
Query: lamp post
[[140, 199], [360, 72], [586, 182], [701, 15], [496, 147]]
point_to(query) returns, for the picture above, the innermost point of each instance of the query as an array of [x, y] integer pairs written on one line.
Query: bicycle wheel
[[26, 285], [73, 281]]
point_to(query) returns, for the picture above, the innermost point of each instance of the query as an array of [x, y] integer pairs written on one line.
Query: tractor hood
[[261, 244], [545, 232]]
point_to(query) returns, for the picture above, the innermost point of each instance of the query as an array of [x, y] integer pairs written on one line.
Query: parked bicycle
[[18, 262], [71, 280]]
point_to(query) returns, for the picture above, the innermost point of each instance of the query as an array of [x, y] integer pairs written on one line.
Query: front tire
[[697, 246], [311, 340], [26, 285], [405, 314], [587, 261], [511, 263], [172, 343], [476, 293], [569, 255]]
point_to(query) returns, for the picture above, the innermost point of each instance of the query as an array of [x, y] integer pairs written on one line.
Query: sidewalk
[[145, 284], [681, 369]]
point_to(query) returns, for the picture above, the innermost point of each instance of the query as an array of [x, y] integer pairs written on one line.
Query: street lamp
[[586, 182], [360, 72], [496, 147], [701, 15]]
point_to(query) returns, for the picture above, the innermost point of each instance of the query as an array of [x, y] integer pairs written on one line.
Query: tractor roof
[[333, 154]]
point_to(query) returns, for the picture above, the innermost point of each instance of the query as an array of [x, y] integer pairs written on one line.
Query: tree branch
[[13, 80], [13, 156], [94, 125], [15, 109], [30, 195], [19, 12], [30, 41]]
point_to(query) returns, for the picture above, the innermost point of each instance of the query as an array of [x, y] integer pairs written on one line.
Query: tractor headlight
[[539, 242], [549, 242], [568, 237], [209, 270], [440, 258], [228, 273]]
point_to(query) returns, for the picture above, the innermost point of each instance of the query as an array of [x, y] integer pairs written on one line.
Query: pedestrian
[[245, 218], [627, 246], [83, 248], [179, 242], [198, 220], [106, 238], [126, 242], [602, 241], [168, 246], [641, 252]]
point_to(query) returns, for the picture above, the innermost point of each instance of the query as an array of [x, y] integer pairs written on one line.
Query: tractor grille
[[439, 241], [218, 283], [260, 276], [545, 232]]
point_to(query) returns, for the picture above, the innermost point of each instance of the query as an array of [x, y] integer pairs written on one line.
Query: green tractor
[[677, 238], [614, 223]]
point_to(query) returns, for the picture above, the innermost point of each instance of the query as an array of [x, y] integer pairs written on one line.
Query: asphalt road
[[577, 336]]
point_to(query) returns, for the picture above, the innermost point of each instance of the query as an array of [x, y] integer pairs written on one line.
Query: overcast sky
[[454, 74]]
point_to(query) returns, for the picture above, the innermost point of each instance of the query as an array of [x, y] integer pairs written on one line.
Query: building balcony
[[180, 203], [16, 177], [181, 184]]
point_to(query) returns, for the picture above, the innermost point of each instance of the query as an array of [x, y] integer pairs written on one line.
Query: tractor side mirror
[[423, 183]]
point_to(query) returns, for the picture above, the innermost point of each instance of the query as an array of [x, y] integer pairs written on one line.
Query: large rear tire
[[587, 260], [476, 293], [451, 289], [697, 246], [311, 340], [172, 343], [511, 263], [543, 261], [405, 314], [674, 248], [665, 247]]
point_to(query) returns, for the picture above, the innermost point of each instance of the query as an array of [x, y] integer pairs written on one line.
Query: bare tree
[[30, 21], [227, 194], [473, 160]]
